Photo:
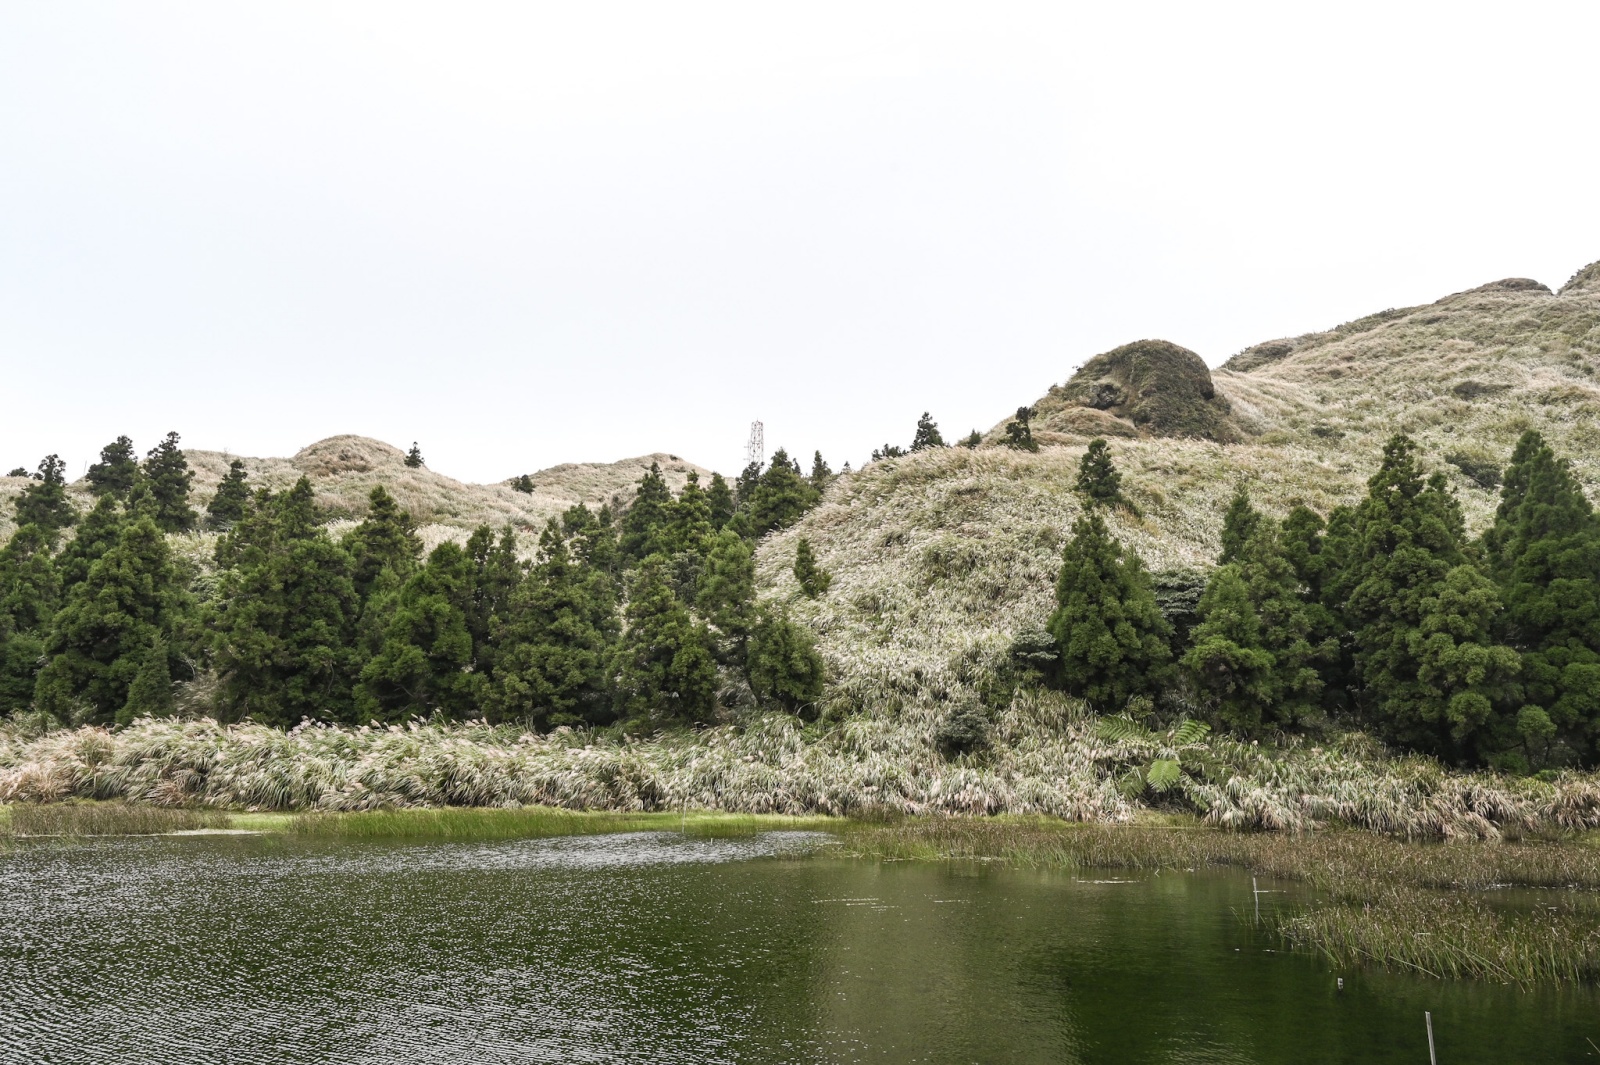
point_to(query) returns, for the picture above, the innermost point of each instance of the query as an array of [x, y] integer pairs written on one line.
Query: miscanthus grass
[[107, 819], [1045, 757]]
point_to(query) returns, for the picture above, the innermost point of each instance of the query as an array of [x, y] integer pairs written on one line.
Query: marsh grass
[[108, 819], [1438, 909], [537, 822]]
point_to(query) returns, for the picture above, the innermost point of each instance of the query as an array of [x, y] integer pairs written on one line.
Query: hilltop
[[941, 557]]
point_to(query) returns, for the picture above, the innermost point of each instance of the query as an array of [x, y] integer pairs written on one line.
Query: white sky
[[539, 233]]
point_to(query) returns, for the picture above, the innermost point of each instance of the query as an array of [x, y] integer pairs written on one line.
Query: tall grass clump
[[108, 819]]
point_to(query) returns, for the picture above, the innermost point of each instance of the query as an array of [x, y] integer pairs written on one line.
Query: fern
[[1189, 733], [1162, 774], [1123, 729]]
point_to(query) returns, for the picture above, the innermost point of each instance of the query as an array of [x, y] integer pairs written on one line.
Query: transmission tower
[[757, 447]]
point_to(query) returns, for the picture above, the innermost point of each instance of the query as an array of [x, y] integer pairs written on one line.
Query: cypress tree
[[664, 669], [783, 664], [425, 661], [1107, 625], [1420, 612], [726, 593], [1239, 524], [927, 434], [150, 694], [972, 440], [1544, 554], [644, 526], [689, 524], [30, 592], [414, 456], [168, 477], [719, 502], [286, 615], [781, 497], [821, 474], [556, 641], [232, 498], [96, 534], [1019, 431], [385, 539], [745, 485], [116, 472], [44, 501], [888, 451], [1098, 480], [99, 638], [814, 581], [523, 484]]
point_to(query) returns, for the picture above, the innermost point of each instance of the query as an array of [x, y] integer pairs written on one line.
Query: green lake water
[[653, 947]]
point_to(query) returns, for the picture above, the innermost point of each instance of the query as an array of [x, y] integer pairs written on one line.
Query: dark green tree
[[523, 484], [665, 672], [719, 501], [30, 592], [888, 451], [286, 614], [150, 694], [781, 497], [927, 434], [783, 666], [744, 486], [167, 475], [232, 497], [1544, 554], [814, 580], [96, 534], [1098, 480], [385, 539], [1239, 524], [414, 456], [1107, 625], [99, 639], [689, 522], [1019, 431], [644, 526], [425, 662], [1420, 612], [44, 502], [116, 472], [556, 642], [726, 594], [972, 440]]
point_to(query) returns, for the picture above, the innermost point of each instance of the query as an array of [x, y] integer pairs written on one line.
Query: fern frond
[[1190, 732], [1122, 729], [1162, 774]]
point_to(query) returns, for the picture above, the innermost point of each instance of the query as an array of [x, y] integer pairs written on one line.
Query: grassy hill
[[941, 557]]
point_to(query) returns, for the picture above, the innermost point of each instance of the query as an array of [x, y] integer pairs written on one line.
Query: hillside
[[941, 557], [344, 470]]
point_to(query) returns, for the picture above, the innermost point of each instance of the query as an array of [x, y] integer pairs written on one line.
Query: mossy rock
[[1157, 386]]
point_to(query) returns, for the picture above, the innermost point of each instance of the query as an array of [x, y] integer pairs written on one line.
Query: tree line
[[643, 618], [1384, 615]]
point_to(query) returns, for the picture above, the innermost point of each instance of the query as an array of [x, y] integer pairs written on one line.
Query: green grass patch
[[105, 819]]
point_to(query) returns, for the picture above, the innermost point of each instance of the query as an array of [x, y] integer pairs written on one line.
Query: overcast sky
[[540, 233]]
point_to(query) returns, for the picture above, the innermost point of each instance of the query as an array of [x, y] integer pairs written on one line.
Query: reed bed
[[1046, 759], [1429, 908], [108, 819], [535, 822]]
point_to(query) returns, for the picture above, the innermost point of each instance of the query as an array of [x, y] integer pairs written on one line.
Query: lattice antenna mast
[[756, 449]]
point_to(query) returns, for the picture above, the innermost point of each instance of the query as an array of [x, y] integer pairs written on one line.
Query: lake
[[656, 947]]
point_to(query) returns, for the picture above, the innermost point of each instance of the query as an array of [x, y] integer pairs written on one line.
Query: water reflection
[[654, 947]]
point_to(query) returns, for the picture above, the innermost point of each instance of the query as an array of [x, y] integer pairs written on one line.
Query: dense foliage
[[648, 619]]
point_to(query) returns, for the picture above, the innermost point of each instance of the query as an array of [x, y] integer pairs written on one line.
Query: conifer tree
[[1107, 625], [1421, 615], [814, 581], [720, 503], [386, 538], [232, 497], [20, 471], [1019, 431], [744, 486], [96, 534], [1544, 554], [972, 440], [99, 638], [664, 669], [783, 665], [497, 574], [556, 642], [30, 592], [167, 475], [821, 472], [689, 524], [644, 526], [1098, 480], [726, 593], [44, 502], [781, 497], [116, 472], [150, 694], [1239, 524], [523, 484], [425, 661], [927, 434], [286, 613], [414, 456]]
